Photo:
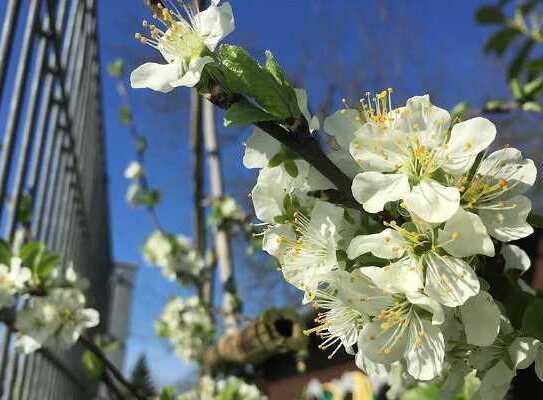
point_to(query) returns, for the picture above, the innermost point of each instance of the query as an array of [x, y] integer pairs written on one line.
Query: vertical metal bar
[[14, 111], [6, 40]]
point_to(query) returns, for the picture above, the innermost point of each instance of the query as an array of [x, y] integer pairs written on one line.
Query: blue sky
[[415, 47]]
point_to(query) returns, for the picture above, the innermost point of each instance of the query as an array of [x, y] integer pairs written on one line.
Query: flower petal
[[433, 202], [468, 138], [342, 125], [301, 98], [381, 345], [465, 235], [509, 222], [403, 276], [260, 149], [373, 189], [192, 75], [508, 165], [449, 280], [387, 244], [539, 364], [495, 383], [275, 239], [515, 258], [428, 304], [214, 24], [155, 76], [426, 350], [481, 319]]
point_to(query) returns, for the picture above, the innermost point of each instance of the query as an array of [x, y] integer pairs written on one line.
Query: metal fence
[[52, 152]]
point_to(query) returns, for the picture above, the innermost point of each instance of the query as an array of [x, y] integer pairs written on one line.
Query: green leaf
[[460, 110], [149, 198], [30, 254], [24, 210], [515, 304], [532, 321], [535, 65], [141, 144], [275, 69], [520, 59], [535, 220], [245, 76], [167, 393], [5, 253], [489, 15], [244, 113], [116, 68], [532, 106], [277, 159], [291, 168], [494, 105], [92, 364], [516, 89], [422, 392], [534, 87], [500, 40], [47, 264], [125, 115]]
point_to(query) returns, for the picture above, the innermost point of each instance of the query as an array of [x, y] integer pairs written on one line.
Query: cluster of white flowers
[[187, 325], [229, 388], [397, 280], [54, 318], [174, 255]]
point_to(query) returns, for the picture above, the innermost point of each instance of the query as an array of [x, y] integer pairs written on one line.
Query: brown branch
[[91, 346], [300, 140]]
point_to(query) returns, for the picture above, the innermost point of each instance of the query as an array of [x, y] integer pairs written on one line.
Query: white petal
[[301, 97], [495, 383], [539, 364], [268, 194], [403, 276], [387, 244], [260, 149], [508, 164], [481, 319], [214, 24], [377, 154], [155, 76], [428, 304], [426, 351], [275, 239], [433, 202], [449, 280], [508, 223], [383, 346], [342, 125], [465, 235], [326, 216], [468, 138], [523, 351], [192, 75], [515, 258], [373, 189]]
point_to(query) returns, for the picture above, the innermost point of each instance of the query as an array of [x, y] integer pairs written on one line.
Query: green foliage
[[422, 392], [167, 393], [116, 68], [245, 113], [266, 86], [501, 40], [92, 365], [535, 220], [532, 321], [125, 115], [24, 210], [141, 144], [490, 15], [141, 378], [459, 111], [287, 158], [41, 261], [515, 304], [5, 252]]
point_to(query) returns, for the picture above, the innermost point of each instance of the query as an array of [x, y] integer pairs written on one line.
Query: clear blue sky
[[415, 47]]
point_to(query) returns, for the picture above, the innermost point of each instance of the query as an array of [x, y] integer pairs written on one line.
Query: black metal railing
[[52, 156]]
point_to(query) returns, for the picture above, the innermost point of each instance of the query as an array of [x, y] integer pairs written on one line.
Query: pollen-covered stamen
[[178, 39], [415, 239], [376, 109], [398, 317]]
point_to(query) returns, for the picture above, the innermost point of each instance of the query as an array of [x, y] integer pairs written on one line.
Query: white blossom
[[187, 45], [134, 170], [13, 279], [55, 320]]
